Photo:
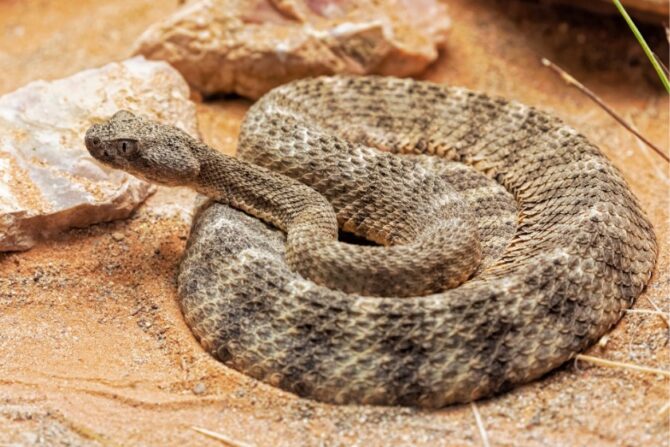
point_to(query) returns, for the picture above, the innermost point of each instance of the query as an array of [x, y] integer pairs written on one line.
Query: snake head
[[144, 148]]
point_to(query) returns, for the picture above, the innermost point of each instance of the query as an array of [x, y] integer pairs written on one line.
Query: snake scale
[[501, 241]]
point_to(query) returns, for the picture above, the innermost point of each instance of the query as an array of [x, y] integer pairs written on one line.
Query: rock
[[250, 46], [48, 182]]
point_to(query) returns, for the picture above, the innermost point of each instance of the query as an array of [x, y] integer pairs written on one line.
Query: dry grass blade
[[646, 311], [614, 364], [664, 409], [220, 437], [480, 425], [570, 80], [661, 314]]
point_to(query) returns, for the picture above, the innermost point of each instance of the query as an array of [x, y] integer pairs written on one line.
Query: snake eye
[[126, 147]]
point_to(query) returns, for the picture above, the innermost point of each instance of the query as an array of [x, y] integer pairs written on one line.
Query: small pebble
[[117, 236], [199, 388], [602, 343]]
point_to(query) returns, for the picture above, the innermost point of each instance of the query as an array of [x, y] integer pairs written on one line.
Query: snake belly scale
[[506, 242]]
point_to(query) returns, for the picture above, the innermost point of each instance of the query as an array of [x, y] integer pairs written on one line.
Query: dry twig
[[661, 314], [570, 80], [480, 425], [660, 62], [614, 364], [220, 437], [646, 311]]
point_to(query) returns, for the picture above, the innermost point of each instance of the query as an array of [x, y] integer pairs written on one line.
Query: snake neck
[[274, 198]]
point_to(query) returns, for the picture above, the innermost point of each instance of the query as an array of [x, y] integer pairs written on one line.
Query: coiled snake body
[[508, 242]]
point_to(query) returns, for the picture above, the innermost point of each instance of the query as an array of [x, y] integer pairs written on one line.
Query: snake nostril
[[91, 141]]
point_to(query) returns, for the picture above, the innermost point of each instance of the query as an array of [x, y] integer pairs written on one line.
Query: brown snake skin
[[511, 243]]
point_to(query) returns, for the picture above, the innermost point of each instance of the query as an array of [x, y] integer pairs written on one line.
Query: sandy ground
[[94, 351]]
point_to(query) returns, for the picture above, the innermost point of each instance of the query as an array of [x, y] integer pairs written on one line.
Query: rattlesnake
[[553, 241]]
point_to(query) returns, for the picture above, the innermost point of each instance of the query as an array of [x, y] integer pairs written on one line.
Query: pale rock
[[48, 181], [250, 46]]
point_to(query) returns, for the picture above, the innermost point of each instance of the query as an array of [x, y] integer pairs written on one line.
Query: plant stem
[[570, 80], [643, 44]]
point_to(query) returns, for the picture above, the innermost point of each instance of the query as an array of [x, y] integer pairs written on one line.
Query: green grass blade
[[643, 44]]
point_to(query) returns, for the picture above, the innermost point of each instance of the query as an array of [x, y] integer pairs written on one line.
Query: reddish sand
[[93, 348]]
